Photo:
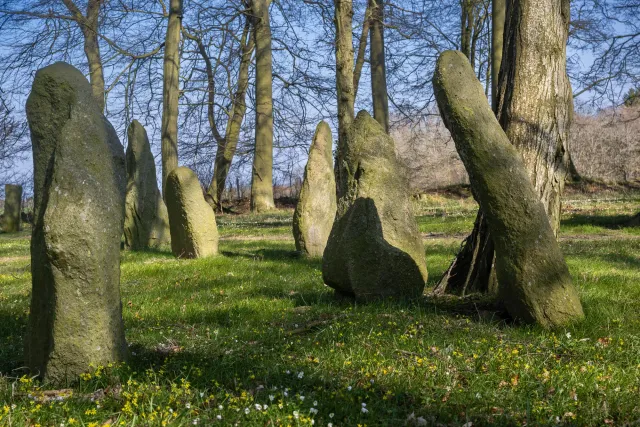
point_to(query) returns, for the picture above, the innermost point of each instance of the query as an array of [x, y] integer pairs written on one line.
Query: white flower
[[187, 405], [288, 372], [195, 422], [568, 335], [171, 410], [364, 410], [313, 411], [349, 388], [300, 374], [329, 425], [372, 381], [315, 403], [220, 407], [331, 415], [219, 417], [247, 410], [296, 414], [201, 394], [478, 395], [258, 407], [364, 405], [265, 406], [302, 398], [286, 394], [313, 422], [271, 397]]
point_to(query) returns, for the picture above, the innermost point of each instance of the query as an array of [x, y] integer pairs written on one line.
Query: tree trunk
[[362, 47], [498, 9], [534, 94], [171, 91], [466, 26], [534, 103], [227, 149], [378, 69], [262, 176], [534, 281], [89, 25], [344, 76]]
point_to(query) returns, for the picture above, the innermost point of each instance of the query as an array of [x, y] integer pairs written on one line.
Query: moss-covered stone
[[79, 189], [533, 278], [194, 233], [11, 222], [146, 221], [316, 208], [374, 249]]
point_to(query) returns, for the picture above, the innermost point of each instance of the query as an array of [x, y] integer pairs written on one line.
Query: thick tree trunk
[[534, 94], [534, 281], [171, 91], [498, 9], [378, 68], [226, 150], [89, 25], [541, 97], [344, 75], [262, 176]]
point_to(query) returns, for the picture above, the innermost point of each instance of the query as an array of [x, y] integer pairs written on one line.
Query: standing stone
[[79, 190], [146, 221], [12, 208], [533, 278], [194, 233], [374, 249], [316, 208]]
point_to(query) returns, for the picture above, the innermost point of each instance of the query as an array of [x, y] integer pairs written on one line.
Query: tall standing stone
[[12, 208], [316, 208], [533, 278], [194, 233], [374, 249], [79, 191], [146, 221]]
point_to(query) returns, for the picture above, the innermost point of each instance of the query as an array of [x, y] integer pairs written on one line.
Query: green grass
[[256, 326]]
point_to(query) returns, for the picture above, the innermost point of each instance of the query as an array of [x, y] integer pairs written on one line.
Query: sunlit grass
[[254, 337]]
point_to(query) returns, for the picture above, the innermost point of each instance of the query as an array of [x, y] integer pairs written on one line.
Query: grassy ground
[[254, 338]]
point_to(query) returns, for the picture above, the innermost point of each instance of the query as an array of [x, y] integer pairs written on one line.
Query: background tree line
[[195, 72]]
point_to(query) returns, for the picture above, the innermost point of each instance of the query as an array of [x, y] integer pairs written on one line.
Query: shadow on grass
[[612, 222]]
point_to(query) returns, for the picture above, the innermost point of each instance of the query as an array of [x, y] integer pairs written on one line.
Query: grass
[[254, 338]]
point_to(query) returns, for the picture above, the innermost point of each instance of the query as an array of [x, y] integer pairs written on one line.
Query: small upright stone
[[194, 233], [146, 221], [316, 208], [79, 189], [12, 208], [374, 249]]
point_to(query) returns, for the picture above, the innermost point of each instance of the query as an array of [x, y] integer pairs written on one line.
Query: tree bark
[[344, 75], [534, 281], [534, 94], [498, 10], [227, 149], [533, 101], [171, 91], [262, 174], [466, 27], [89, 25], [378, 68]]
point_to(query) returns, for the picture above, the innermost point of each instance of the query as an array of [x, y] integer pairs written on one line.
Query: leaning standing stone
[[374, 249], [194, 233], [533, 278], [316, 208], [79, 189], [12, 208], [146, 221]]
